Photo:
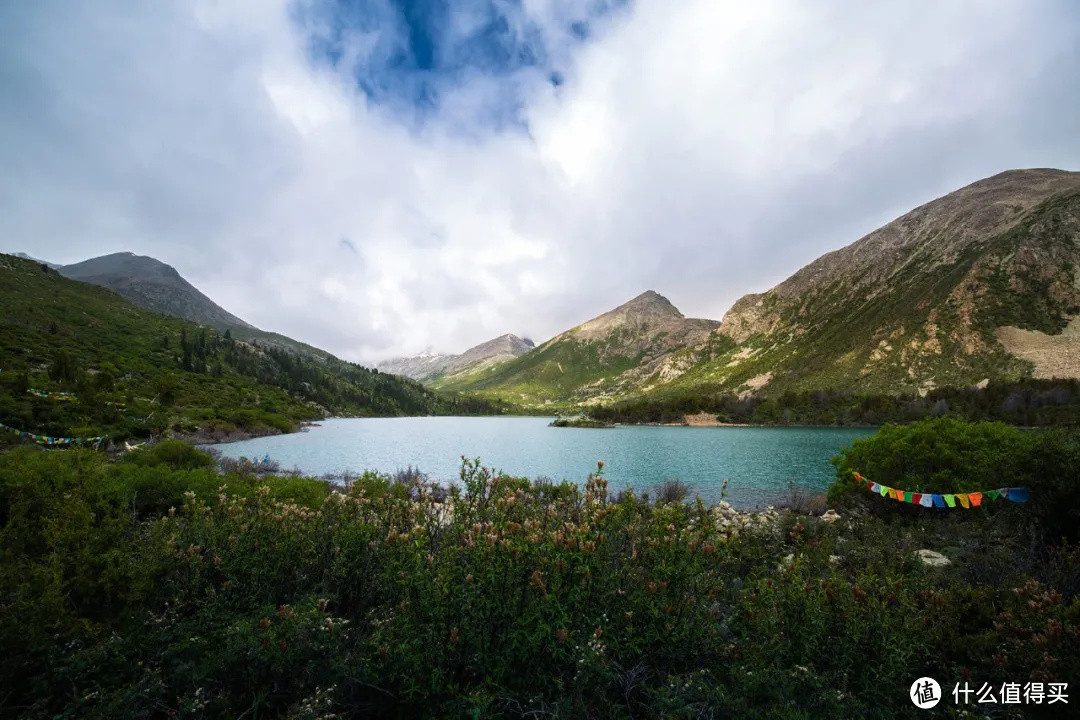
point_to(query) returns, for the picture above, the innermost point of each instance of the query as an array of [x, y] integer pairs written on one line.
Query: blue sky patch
[[411, 54]]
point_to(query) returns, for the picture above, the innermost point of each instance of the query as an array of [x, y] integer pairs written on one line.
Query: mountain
[[151, 284], [424, 366], [437, 368], [598, 360], [24, 256], [174, 376], [979, 285]]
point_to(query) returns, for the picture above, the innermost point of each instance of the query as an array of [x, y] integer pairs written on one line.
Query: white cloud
[[703, 149]]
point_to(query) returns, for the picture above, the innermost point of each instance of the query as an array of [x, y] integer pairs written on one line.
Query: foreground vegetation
[[156, 586], [165, 375]]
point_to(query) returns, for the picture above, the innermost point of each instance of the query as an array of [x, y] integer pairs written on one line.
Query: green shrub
[[174, 453], [1054, 479], [944, 455]]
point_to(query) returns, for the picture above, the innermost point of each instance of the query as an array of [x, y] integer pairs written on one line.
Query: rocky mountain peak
[[649, 312], [154, 285]]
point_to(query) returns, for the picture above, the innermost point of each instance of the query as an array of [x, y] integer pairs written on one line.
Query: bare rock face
[[748, 317], [502, 348], [418, 367]]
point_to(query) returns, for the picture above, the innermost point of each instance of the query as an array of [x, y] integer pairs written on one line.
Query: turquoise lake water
[[758, 462]]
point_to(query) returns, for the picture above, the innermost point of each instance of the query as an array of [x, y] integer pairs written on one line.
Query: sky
[[381, 177]]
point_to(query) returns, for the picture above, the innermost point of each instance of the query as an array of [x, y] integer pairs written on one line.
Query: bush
[[174, 453], [946, 455], [943, 455], [1054, 479], [672, 491]]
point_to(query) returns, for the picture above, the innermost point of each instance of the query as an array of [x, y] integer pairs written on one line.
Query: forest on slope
[[102, 366]]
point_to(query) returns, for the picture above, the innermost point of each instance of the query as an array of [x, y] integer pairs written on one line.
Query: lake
[[758, 462]]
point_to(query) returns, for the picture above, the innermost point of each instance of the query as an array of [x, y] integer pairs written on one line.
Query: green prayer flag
[[884, 491], [993, 494], [950, 500]]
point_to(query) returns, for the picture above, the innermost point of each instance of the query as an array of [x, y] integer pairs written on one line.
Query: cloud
[[703, 149]]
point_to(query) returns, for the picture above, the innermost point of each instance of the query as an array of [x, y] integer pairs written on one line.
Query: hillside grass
[[171, 375], [552, 374]]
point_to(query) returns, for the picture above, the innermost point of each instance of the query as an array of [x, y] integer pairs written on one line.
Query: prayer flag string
[[50, 441], [966, 500]]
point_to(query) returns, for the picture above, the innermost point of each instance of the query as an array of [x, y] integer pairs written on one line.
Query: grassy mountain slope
[[59, 334], [919, 303], [154, 285], [596, 360]]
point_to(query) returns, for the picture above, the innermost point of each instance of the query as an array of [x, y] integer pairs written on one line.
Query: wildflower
[[264, 623], [469, 578], [560, 635]]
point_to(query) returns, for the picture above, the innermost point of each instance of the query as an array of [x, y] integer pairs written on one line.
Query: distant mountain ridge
[[39, 261], [432, 367], [151, 284], [598, 359], [157, 286]]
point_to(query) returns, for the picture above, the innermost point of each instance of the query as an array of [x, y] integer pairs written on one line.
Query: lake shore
[[709, 420], [223, 436]]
